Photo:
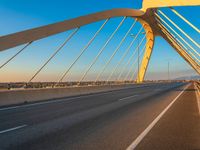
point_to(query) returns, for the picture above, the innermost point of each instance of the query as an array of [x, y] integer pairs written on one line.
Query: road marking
[[52, 101], [198, 99], [128, 97], [65, 99], [146, 131], [11, 129]]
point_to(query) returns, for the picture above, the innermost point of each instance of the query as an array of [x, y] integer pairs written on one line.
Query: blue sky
[[20, 15]]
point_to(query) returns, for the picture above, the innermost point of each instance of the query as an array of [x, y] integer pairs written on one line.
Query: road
[[153, 116]]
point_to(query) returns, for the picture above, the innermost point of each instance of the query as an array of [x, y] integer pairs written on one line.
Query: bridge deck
[[179, 128], [111, 120]]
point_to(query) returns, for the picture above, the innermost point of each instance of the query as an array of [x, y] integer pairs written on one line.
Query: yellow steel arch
[[149, 48], [12, 40], [166, 3]]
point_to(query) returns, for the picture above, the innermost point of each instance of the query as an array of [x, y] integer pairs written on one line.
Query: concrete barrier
[[11, 97]]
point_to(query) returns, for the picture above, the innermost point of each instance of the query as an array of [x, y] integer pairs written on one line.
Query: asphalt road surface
[[146, 117]]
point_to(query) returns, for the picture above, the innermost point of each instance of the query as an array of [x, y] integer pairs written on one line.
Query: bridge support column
[[147, 54]]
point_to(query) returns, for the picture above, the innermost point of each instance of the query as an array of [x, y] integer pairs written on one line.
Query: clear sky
[[20, 15]]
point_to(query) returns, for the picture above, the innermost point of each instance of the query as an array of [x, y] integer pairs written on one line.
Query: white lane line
[[50, 102], [125, 98], [11, 129], [198, 97], [62, 99], [67, 99], [146, 131]]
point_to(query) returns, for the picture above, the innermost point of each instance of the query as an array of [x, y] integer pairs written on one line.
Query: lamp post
[[138, 57], [168, 71], [138, 62]]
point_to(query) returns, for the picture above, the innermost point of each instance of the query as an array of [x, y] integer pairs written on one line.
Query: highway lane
[[40, 112], [75, 123], [179, 128]]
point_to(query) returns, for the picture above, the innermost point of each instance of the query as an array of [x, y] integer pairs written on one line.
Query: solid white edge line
[[128, 97], [146, 131], [60, 100], [11, 129], [197, 96], [63, 99], [50, 102]]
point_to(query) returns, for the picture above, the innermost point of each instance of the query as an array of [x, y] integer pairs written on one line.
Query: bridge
[[99, 98]]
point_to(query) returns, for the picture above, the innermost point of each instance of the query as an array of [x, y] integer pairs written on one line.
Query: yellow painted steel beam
[[149, 48], [168, 3]]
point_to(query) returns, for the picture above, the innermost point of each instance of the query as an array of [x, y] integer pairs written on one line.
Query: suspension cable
[[54, 54], [107, 42], [162, 26], [176, 33], [132, 78], [101, 50], [112, 56], [82, 51], [130, 59], [172, 39], [110, 59], [125, 54], [141, 52], [184, 19], [5, 63], [179, 29]]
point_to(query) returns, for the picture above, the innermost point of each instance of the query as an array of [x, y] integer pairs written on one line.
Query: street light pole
[[138, 62], [168, 71], [138, 57]]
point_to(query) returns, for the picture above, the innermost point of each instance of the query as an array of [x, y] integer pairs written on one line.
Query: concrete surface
[[107, 120], [11, 97]]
